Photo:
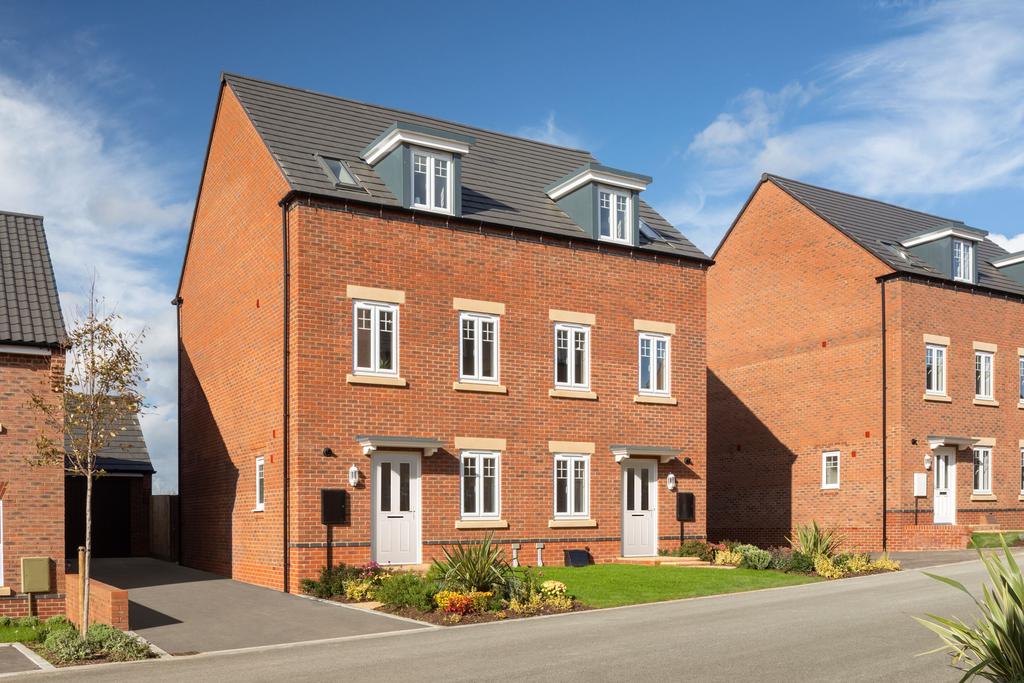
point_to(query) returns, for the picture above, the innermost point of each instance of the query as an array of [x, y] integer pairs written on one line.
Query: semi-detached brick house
[[485, 333], [31, 363], [866, 370]]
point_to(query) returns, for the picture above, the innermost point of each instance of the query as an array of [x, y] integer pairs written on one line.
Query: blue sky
[[105, 110]]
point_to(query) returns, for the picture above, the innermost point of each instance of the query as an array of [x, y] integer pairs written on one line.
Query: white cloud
[[550, 133], [1011, 244], [109, 208], [938, 110]]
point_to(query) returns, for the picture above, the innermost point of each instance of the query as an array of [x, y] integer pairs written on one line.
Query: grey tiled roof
[[879, 227], [126, 452], [503, 177], [29, 306]]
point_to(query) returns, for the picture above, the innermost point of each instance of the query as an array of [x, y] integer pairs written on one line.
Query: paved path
[[184, 610]]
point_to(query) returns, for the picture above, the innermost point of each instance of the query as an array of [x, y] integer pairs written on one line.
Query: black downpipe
[[885, 427], [285, 402], [176, 302]]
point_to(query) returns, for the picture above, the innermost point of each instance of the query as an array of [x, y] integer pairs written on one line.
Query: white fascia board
[[25, 350], [1011, 260], [939, 234], [399, 136], [592, 176]]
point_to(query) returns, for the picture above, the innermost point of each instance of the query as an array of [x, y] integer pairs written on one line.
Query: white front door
[[396, 508], [639, 508], [945, 486]]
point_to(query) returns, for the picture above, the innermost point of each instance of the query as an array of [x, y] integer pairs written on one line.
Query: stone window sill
[[1021, 405], [938, 398], [986, 402], [572, 393], [658, 400], [481, 388], [6, 592], [982, 498], [1021, 497], [481, 524], [572, 523], [374, 379]]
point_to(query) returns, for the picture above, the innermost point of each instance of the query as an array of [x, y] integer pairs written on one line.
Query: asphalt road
[[851, 630]]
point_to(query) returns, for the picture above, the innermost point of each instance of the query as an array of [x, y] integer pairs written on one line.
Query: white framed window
[[615, 215], [431, 180], [655, 364], [830, 470], [572, 356], [983, 362], [963, 261], [478, 347], [935, 369], [572, 485], [260, 490], [481, 484], [1020, 377], [1021, 474], [2, 581], [375, 338], [982, 469]]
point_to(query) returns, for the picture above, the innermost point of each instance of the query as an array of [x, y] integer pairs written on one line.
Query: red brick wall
[[230, 358], [43, 606], [965, 318], [794, 356], [33, 497], [107, 604], [436, 264]]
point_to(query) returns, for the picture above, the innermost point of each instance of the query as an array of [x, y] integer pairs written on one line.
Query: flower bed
[[58, 641]]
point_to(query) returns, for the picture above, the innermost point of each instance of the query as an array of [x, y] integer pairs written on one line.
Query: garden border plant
[[59, 641]]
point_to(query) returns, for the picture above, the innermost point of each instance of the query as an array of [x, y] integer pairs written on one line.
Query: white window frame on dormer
[[432, 157], [614, 196], [963, 263]]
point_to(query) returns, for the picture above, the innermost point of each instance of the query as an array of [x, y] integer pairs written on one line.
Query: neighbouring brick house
[[866, 370], [31, 363], [485, 333]]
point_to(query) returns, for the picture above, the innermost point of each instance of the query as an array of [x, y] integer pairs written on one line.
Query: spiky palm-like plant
[[993, 647], [812, 540]]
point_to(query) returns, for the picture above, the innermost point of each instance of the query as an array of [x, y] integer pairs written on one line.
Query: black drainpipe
[[885, 426], [285, 403], [176, 302]]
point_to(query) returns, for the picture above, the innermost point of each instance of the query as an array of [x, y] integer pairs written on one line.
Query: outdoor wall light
[[353, 476], [927, 461], [687, 461], [670, 481]]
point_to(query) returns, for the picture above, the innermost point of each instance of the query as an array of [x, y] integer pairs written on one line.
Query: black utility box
[[333, 506], [686, 507], [577, 558]]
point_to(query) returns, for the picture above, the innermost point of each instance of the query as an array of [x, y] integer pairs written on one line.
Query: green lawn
[[610, 585], [19, 634], [989, 539]]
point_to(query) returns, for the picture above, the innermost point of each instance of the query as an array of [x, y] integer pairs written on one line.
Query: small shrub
[[729, 545], [801, 562], [360, 590], [755, 558], [857, 563], [123, 647], [57, 623], [475, 567], [27, 622], [453, 602], [730, 557], [97, 635], [694, 548], [66, 646], [884, 564], [812, 540], [407, 590], [827, 568], [521, 584], [331, 582], [552, 589], [782, 558], [530, 605], [560, 603]]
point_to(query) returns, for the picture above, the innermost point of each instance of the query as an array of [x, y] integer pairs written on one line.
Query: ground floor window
[[572, 485], [480, 484], [259, 484], [830, 470], [983, 470]]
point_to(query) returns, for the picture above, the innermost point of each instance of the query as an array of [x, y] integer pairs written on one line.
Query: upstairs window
[[654, 364], [614, 215], [983, 361], [478, 347], [830, 470], [1020, 376], [572, 356], [963, 261], [431, 181], [375, 338], [260, 496], [935, 369]]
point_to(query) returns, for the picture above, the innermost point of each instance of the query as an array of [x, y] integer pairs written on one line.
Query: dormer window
[[614, 215], [963, 260], [431, 180]]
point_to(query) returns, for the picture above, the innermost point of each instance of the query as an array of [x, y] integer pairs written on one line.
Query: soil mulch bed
[[441, 619]]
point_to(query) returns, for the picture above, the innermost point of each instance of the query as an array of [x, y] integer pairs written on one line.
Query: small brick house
[[453, 332], [31, 363], [865, 370]]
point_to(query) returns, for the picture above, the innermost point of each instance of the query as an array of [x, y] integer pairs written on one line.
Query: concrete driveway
[[185, 611]]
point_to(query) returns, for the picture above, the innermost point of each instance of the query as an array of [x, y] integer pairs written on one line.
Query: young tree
[[101, 389]]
